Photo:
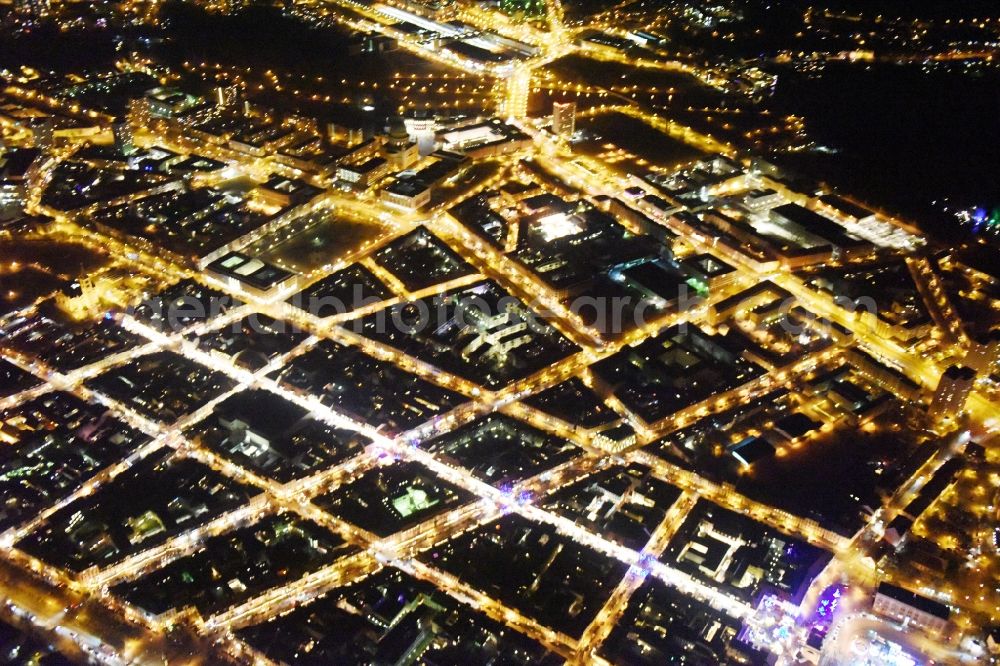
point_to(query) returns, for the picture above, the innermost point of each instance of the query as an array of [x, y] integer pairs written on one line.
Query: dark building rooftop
[[960, 373], [845, 207], [752, 449], [915, 600]]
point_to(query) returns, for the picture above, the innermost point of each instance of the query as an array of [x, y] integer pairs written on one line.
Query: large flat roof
[[914, 600]]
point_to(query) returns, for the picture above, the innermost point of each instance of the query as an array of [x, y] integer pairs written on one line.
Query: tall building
[[564, 118], [984, 353], [399, 150], [44, 134], [124, 139], [15, 168], [139, 113], [228, 96], [514, 101], [952, 391]]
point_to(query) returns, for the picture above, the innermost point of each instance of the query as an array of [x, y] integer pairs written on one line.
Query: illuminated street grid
[[191, 446]]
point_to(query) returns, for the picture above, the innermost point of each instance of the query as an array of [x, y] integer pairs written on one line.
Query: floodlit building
[[762, 200], [984, 353], [400, 152], [618, 437], [283, 192], [952, 391], [365, 173], [494, 336], [244, 273], [409, 193], [124, 139], [15, 173], [228, 96], [564, 118], [170, 102], [484, 139], [905, 606]]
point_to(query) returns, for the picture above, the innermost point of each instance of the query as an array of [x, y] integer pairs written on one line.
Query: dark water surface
[[906, 137]]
